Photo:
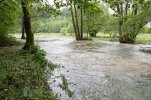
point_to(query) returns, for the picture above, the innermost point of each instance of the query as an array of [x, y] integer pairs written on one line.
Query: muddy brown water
[[109, 71]]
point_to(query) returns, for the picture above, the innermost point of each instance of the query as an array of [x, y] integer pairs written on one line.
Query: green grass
[[105, 36], [142, 38], [22, 75]]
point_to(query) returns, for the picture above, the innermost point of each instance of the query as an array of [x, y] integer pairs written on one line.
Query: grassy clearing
[[23, 76], [142, 38]]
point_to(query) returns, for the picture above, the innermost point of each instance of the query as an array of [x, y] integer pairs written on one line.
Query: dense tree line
[[86, 16]]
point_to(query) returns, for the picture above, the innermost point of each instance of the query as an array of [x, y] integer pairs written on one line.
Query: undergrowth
[[23, 75]]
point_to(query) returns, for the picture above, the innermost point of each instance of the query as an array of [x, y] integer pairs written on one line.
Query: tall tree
[[77, 8], [82, 6], [74, 23], [27, 23]]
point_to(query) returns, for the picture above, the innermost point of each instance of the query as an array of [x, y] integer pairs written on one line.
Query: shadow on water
[[98, 70]]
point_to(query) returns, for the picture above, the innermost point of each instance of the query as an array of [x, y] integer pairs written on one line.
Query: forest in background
[[43, 22]]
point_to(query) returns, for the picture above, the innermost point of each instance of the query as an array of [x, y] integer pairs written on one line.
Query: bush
[[7, 40], [64, 31]]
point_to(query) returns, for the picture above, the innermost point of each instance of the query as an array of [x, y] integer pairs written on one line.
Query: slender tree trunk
[[120, 20], [77, 23], [23, 29], [135, 10], [27, 22], [120, 25], [81, 22], [120, 11], [73, 22], [126, 9]]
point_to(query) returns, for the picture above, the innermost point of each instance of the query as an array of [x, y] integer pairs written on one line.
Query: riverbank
[[23, 76], [142, 38]]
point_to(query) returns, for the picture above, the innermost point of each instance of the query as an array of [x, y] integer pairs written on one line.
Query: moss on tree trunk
[[27, 24]]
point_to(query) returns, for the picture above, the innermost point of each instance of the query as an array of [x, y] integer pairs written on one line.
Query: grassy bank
[[142, 38], [23, 76]]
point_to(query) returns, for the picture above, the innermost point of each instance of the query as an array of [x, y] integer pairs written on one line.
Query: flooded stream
[[99, 70]]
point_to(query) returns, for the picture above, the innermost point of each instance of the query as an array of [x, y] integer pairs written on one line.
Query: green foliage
[[51, 25], [22, 75], [145, 29], [8, 14], [95, 19], [70, 29], [149, 30], [7, 40], [132, 18], [64, 31], [8, 17], [110, 26], [131, 27]]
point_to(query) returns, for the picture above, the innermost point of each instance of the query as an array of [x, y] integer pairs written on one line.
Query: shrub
[[7, 40]]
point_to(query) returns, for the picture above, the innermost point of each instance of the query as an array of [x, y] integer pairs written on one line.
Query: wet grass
[[65, 86], [23, 76]]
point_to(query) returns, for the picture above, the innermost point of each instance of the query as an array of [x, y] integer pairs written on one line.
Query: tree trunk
[[27, 23], [23, 29], [77, 23], [135, 10], [81, 22], [120, 26], [126, 9], [73, 22], [119, 10]]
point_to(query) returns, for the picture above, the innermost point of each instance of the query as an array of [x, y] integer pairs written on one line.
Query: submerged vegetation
[[146, 49]]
